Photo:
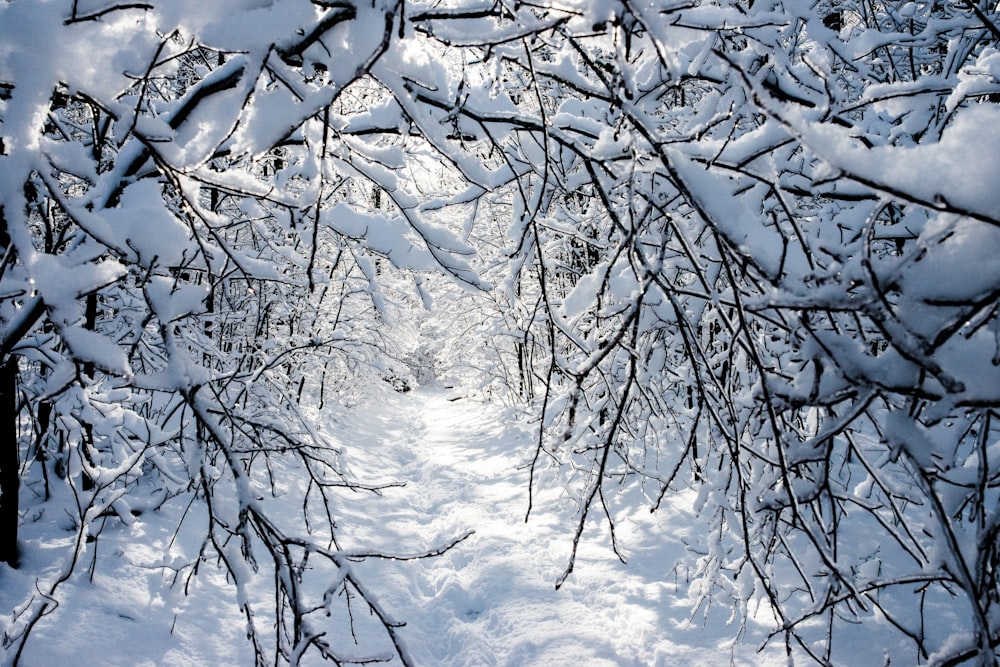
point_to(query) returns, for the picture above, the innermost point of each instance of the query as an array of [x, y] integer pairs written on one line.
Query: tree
[[747, 237], [193, 259]]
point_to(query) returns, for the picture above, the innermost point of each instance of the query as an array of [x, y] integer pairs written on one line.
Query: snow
[[95, 348], [384, 235], [142, 224], [490, 600], [180, 390], [954, 171]]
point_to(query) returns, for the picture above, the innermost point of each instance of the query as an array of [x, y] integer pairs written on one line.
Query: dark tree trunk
[[9, 468], [90, 323]]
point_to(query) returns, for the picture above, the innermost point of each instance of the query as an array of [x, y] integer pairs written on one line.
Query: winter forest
[[719, 274]]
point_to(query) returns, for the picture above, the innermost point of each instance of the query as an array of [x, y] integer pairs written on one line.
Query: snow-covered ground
[[491, 600]]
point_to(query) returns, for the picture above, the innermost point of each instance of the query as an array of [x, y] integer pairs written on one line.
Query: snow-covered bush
[[196, 261], [753, 243]]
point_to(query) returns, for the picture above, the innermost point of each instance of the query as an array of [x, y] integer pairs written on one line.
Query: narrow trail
[[491, 600], [458, 466]]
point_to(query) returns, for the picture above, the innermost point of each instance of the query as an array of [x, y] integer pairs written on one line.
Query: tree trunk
[[9, 468]]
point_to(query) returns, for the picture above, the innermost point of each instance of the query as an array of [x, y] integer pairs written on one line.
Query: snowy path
[[492, 600], [489, 602]]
